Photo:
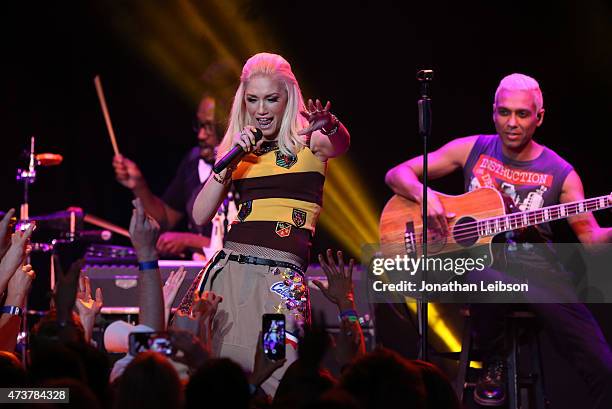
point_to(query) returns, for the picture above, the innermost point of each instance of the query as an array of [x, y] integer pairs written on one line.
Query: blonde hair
[[275, 66], [521, 82]]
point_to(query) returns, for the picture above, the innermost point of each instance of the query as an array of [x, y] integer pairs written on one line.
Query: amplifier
[[118, 283]]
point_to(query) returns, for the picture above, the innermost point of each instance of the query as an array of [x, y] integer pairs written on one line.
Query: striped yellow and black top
[[280, 199]]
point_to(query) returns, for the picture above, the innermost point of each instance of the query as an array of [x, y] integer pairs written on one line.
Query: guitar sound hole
[[465, 231]]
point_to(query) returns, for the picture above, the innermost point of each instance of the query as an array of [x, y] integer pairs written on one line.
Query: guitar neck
[[513, 221]]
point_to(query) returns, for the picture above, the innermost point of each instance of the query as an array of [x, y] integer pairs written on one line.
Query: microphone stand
[[424, 77], [27, 176]]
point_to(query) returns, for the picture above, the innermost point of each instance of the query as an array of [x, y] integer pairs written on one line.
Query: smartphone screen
[[18, 226], [151, 341], [273, 334]]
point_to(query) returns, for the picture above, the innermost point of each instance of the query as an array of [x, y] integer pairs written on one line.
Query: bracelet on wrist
[[11, 310], [219, 180], [148, 265], [224, 179], [336, 125], [351, 315]]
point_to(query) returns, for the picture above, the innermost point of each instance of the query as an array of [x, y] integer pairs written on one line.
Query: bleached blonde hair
[[521, 82], [274, 66]]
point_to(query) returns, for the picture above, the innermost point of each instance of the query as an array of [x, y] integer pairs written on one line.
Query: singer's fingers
[[319, 105], [259, 143], [245, 145], [327, 106], [311, 106], [305, 115], [241, 140], [306, 131], [250, 135], [246, 138]]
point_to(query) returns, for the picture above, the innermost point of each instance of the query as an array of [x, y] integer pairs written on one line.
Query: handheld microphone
[[235, 153]]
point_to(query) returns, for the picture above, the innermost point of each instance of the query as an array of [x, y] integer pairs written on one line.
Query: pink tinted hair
[[521, 82], [274, 66]]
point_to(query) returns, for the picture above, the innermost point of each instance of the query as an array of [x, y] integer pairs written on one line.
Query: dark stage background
[[362, 55]]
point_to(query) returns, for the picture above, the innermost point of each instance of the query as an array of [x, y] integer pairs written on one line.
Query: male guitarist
[[533, 176]]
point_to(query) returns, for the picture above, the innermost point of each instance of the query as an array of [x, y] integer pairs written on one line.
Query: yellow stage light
[[185, 38]]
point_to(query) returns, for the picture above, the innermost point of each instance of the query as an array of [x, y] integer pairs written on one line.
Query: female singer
[[280, 186]]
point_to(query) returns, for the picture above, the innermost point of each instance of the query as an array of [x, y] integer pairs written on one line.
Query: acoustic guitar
[[480, 215]]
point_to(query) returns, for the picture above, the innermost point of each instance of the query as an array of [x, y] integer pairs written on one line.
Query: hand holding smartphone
[[151, 341], [273, 336]]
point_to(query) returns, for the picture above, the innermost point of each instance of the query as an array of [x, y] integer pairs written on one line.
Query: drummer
[[171, 208]]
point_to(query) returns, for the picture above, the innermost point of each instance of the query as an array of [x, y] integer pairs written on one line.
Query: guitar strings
[[467, 230], [520, 217], [532, 218], [466, 233]]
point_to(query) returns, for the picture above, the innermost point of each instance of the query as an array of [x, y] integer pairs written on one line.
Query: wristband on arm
[[148, 265], [351, 315], [11, 310]]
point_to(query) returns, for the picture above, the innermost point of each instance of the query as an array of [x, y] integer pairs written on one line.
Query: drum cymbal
[[49, 159]]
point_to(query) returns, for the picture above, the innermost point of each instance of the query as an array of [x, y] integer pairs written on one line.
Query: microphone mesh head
[[258, 134]]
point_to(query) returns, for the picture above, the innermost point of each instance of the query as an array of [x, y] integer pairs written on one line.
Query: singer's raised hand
[[246, 139], [317, 116]]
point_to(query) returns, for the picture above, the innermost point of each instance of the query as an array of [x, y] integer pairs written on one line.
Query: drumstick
[[109, 125], [96, 221]]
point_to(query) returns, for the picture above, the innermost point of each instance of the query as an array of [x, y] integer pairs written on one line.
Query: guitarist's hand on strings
[[437, 217]]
